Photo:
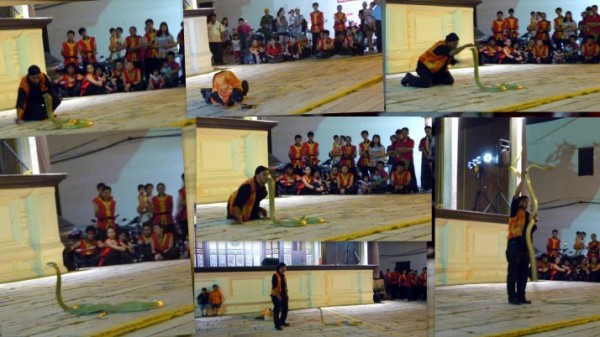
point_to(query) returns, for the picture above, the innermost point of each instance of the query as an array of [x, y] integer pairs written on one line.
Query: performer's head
[[289, 169], [428, 130], [281, 267], [345, 169], [34, 74], [71, 36], [261, 174], [524, 202], [593, 237], [311, 136], [511, 12], [544, 257], [365, 135], [149, 188], [452, 40], [401, 167], [160, 188], [499, 15], [99, 187], [298, 140], [90, 233], [555, 233], [492, 42], [106, 193]]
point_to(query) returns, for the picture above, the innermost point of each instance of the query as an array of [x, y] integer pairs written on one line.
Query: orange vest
[[593, 249], [348, 151], [310, 151], [432, 61], [553, 246], [590, 51], [400, 180], [249, 205], [131, 42], [512, 26], [278, 291], [543, 52], [70, 82], [162, 207], [182, 213], [296, 156], [498, 29], [364, 160], [70, 52], [316, 20], [516, 225], [105, 218], [151, 51], [543, 29], [87, 247], [345, 182], [223, 83], [161, 246], [286, 180], [558, 32], [107, 249], [337, 26], [215, 297], [132, 77], [87, 50]]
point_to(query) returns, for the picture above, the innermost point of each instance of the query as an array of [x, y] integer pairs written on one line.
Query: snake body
[[532, 219], [497, 88], [72, 123], [100, 308], [297, 222], [339, 323]]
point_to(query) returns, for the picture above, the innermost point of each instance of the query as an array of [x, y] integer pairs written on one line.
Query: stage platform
[[564, 88], [340, 84], [483, 309], [111, 112], [29, 307], [357, 217], [389, 318]]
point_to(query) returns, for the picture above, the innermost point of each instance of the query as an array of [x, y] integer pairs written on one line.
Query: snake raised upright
[[72, 123], [497, 88]]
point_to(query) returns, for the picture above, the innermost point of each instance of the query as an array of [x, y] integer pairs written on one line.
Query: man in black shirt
[[432, 67], [279, 296], [244, 204], [30, 99]]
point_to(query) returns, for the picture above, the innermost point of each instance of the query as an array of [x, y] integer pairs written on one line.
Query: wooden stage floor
[[347, 218], [337, 85], [550, 88], [389, 318], [112, 112], [29, 307], [482, 309]]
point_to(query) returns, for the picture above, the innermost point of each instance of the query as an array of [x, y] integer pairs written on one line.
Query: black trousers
[[280, 310], [237, 96], [426, 174], [379, 34], [426, 78], [36, 108], [518, 268], [315, 39], [216, 49], [413, 182], [291, 190], [116, 257]]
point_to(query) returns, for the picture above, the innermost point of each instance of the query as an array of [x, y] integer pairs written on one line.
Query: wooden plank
[[280, 89], [344, 215]]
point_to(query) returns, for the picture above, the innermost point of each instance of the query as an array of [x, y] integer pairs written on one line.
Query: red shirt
[[132, 42], [87, 48], [316, 20], [162, 207], [287, 180], [273, 51], [161, 246], [70, 52], [405, 143]]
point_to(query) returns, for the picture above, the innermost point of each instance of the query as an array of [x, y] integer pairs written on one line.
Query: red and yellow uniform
[[70, 81], [593, 249], [364, 160], [516, 225], [310, 153], [543, 27], [325, 44], [317, 22], [432, 61], [133, 42], [541, 52], [511, 25], [498, 29], [558, 29], [105, 216], [116, 73], [345, 181], [223, 83], [302, 185], [491, 51], [162, 207], [86, 81], [135, 76], [588, 50], [162, 245], [348, 154], [88, 50], [106, 250], [88, 248], [70, 52], [152, 50], [295, 154], [401, 179], [339, 26], [182, 213], [552, 247], [249, 205], [287, 180]]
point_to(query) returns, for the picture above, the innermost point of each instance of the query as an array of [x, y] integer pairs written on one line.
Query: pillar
[[197, 52], [448, 163]]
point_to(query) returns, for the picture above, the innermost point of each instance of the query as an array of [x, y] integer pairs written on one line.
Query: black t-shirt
[[244, 194], [203, 298], [283, 284], [514, 208]]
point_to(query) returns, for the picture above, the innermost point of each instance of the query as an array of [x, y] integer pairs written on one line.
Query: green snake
[[339, 323], [497, 88], [72, 123], [100, 308], [298, 222]]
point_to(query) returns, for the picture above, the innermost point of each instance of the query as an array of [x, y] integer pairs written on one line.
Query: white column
[[449, 139], [197, 52], [517, 129]]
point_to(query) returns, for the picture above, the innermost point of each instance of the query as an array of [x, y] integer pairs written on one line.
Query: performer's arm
[[519, 188], [461, 48]]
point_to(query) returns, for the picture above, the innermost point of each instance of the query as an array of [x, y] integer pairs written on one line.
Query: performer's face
[[90, 236], [525, 203], [453, 44], [106, 194], [262, 177], [35, 79], [110, 233], [428, 132], [146, 231]]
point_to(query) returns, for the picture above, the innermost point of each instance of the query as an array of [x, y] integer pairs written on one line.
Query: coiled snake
[[72, 123], [100, 308], [297, 222]]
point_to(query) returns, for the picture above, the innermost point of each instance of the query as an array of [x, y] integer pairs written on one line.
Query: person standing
[[516, 249], [162, 208], [104, 210], [426, 160], [279, 296], [317, 25], [266, 25], [216, 34], [553, 246], [378, 30]]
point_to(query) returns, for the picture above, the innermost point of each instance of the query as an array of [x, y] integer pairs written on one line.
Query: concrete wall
[[122, 167], [99, 16], [486, 12], [555, 143]]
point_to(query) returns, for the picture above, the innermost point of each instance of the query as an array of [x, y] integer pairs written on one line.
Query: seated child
[[325, 47], [379, 183], [170, 71], [365, 185], [490, 54], [571, 50], [590, 51], [305, 47], [358, 45], [117, 77], [69, 84], [274, 52], [293, 49], [156, 81], [257, 52], [540, 53]]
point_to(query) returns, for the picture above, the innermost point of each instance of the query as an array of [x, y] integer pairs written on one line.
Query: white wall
[[326, 127], [486, 12], [253, 10], [122, 167], [392, 252], [97, 17], [555, 143]]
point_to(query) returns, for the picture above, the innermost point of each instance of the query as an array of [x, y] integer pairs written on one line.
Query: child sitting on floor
[[274, 52], [293, 49], [156, 81], [365, 185]]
